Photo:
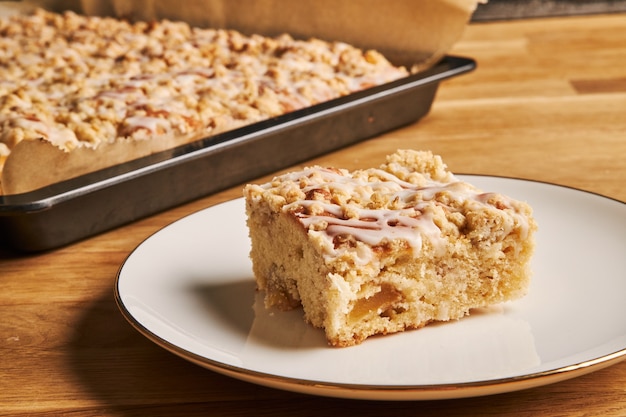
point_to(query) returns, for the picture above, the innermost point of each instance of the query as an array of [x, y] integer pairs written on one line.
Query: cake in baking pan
[[81, 93]]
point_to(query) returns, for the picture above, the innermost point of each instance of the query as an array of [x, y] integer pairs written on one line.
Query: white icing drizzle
[[146, 122], [373, 226], [409, 218]]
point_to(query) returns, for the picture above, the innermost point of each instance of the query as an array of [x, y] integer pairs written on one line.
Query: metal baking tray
[[71, 210]]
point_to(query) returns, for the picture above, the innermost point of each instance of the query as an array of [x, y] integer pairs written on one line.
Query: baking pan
[[71, 210]]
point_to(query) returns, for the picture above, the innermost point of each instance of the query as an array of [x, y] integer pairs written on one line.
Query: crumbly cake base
[[312, 245]]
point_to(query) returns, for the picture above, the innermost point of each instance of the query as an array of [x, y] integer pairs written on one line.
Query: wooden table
[[547, 102]]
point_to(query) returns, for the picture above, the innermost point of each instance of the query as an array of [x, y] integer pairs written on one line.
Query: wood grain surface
[[547, 102]]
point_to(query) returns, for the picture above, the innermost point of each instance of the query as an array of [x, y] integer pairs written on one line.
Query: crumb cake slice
[[387, 249]]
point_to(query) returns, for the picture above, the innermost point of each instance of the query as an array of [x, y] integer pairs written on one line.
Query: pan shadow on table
[[128, 375]]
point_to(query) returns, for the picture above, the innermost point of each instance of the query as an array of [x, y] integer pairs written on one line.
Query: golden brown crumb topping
[[410, 200], [78, 81]]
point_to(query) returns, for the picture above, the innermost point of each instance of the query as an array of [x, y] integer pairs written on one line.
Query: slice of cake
[[382, 250]]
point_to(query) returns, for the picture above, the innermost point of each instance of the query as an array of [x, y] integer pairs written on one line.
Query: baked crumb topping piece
[[82, 80]]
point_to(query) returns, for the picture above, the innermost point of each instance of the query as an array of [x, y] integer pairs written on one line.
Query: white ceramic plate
[[190, 289]]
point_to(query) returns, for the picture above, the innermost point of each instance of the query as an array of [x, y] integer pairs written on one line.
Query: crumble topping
[[82, 80], [376, 206]]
